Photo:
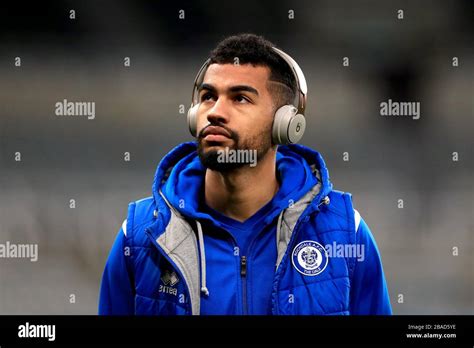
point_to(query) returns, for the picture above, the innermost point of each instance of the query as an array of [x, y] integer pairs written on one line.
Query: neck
[[239, 194]]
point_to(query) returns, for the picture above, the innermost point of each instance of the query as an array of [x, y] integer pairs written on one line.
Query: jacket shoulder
[[141, 213], [341, 210], [340, 200]]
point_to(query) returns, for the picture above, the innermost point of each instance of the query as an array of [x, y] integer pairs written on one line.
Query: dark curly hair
[[256, 50]]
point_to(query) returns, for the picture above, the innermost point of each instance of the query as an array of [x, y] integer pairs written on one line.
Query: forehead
[[227, 75]]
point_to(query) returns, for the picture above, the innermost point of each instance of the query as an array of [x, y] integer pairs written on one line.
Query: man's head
[[245, 83]]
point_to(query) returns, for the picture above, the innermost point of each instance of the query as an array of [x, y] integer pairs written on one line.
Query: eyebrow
[[233, 89]]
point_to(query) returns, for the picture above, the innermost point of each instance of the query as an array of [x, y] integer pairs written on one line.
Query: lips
[[215, 134], [214, 130]]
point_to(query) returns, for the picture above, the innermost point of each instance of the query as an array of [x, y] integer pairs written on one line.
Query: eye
[[207, 96], [241, 99]]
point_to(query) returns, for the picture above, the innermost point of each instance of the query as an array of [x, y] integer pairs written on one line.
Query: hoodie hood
[[180, 178]]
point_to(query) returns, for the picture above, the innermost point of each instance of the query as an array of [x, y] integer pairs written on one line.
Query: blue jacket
[[312, 253]]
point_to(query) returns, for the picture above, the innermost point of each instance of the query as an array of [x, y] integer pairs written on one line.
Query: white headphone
[[288, 124]]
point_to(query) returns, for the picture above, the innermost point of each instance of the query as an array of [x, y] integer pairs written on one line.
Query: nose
[[219, 113]]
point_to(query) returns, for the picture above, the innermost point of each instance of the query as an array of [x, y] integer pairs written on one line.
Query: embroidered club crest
[[309, 258]]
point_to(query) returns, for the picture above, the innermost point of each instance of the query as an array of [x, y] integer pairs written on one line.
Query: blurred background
[[138, 111]]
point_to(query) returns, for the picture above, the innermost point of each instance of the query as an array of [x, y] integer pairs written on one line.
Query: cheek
[[201, 118], [265, 119], [260, 122]]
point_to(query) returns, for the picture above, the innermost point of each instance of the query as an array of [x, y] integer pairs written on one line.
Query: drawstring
[[279, 227], [204, 289]]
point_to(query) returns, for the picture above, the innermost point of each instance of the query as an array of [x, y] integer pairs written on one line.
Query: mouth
[[215, 138], [215, 134]]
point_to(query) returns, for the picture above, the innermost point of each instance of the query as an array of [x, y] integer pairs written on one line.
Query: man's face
[[236, 112]]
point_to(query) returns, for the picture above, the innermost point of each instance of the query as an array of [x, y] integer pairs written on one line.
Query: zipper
[[243, 276], [244, 270]]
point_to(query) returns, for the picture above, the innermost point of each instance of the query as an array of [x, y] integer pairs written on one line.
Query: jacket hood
[[180, 178]]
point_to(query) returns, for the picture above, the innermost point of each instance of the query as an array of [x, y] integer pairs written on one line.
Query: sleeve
[[116, 292], [369, 293]]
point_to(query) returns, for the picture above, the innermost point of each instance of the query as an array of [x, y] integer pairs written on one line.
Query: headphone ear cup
[[288, 126], [192, 119], [296, 129]]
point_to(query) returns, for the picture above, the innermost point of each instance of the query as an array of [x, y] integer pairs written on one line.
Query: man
[[238, 224]]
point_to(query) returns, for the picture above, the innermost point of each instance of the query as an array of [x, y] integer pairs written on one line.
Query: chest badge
[[309, 258], [169, 279]]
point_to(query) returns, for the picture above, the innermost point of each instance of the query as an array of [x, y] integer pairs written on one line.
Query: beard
[[211, 158]]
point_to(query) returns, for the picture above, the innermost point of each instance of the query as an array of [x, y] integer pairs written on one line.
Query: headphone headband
[[295, 69]]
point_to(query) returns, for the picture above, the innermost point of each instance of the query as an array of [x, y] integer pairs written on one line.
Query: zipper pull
[[243, 266]]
